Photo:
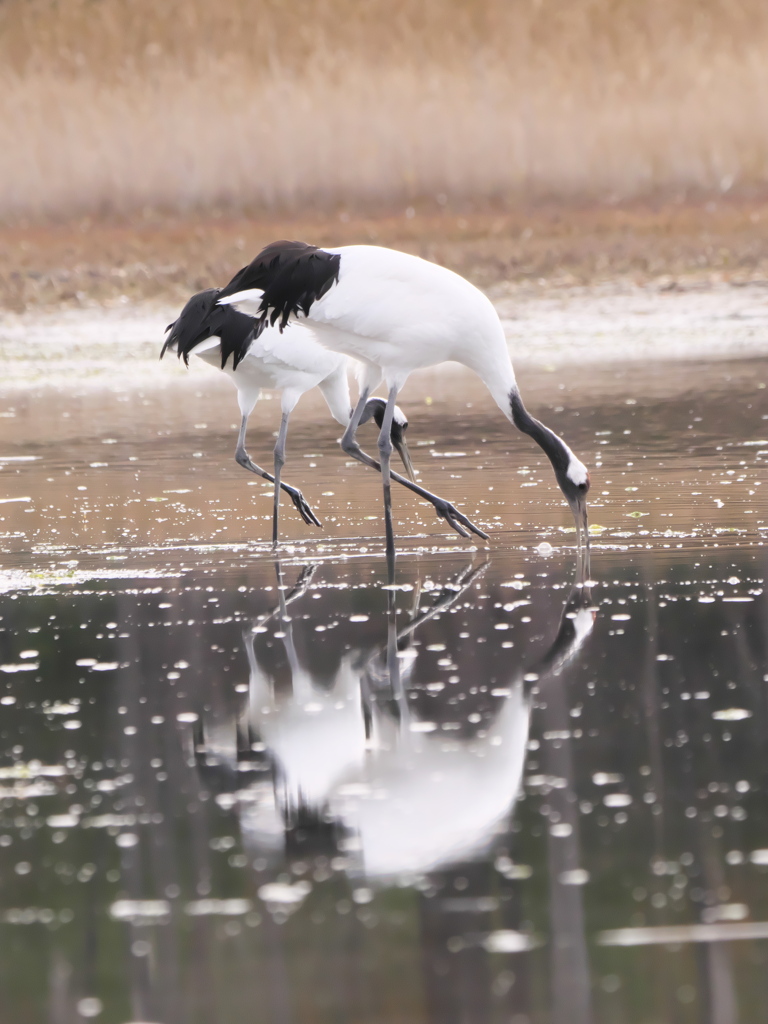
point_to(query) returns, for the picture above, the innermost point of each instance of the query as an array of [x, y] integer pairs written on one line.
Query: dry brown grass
[[166, 259], [280, 105]]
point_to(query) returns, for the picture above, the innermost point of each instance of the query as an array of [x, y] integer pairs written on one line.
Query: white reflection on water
[[408, 794], [662, 936]]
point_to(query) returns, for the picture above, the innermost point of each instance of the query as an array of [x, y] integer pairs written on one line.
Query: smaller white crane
[[292, 362]]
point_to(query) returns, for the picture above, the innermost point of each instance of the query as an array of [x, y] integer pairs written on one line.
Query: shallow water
[[234, 789]]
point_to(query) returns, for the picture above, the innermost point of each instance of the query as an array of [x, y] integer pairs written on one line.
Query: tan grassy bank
[[346, 105]]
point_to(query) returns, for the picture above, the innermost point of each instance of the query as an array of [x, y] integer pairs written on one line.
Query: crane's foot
[[457, 520], [301, 504]]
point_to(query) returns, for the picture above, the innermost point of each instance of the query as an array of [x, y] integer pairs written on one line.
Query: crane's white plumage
[[292, 362], [397, 313]]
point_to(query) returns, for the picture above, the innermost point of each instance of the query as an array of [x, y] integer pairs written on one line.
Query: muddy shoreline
[[162, 259]]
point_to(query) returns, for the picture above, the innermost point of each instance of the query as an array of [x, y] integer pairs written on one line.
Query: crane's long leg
[[455, 519], [385, 453], [243, 459], [279, 463]]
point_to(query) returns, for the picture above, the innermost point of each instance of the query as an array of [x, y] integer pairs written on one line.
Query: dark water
[[232, 789]]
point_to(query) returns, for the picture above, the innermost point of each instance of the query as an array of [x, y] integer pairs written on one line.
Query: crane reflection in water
[[353, 757], [364, 766]]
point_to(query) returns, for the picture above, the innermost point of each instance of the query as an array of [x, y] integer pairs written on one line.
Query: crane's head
[[573, 479], [375, 408], [192, 324]]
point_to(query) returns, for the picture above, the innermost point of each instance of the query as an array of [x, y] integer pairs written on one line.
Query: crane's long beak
[[579, 509], [402, 451]]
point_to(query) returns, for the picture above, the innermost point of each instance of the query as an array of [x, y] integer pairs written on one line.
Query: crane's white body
[[292, 362], [395, 313]]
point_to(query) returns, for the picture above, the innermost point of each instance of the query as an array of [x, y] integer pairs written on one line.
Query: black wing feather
[[292, 276], [201, 318]]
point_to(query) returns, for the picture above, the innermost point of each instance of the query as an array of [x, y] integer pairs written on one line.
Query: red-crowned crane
[[396, 313]]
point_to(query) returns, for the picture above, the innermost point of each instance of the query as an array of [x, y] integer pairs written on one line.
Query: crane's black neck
[[556, 450]]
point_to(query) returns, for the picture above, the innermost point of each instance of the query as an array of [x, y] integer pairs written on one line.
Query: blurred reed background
[[180, 106]]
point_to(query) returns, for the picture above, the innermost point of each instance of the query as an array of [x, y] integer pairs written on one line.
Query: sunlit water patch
[[676, 453]]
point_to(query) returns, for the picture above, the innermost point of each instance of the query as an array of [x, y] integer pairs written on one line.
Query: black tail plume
[[292, 276], [201, 318]]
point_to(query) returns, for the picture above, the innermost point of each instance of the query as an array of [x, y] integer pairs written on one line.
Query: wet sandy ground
[[482, 797]]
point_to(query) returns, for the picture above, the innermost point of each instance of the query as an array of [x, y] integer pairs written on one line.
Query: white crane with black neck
[[396, 313], [292, 362]]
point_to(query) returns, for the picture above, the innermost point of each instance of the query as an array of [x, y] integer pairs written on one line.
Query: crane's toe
[[304, 509], [454, 525], [457, 520]]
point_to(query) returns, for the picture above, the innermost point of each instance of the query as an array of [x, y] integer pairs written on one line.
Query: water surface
[[234, 787]]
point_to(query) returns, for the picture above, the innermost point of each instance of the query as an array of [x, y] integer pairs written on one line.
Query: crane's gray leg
[[455, 519], [385, 454], [243, 459], [279, 463], [349, 439]]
